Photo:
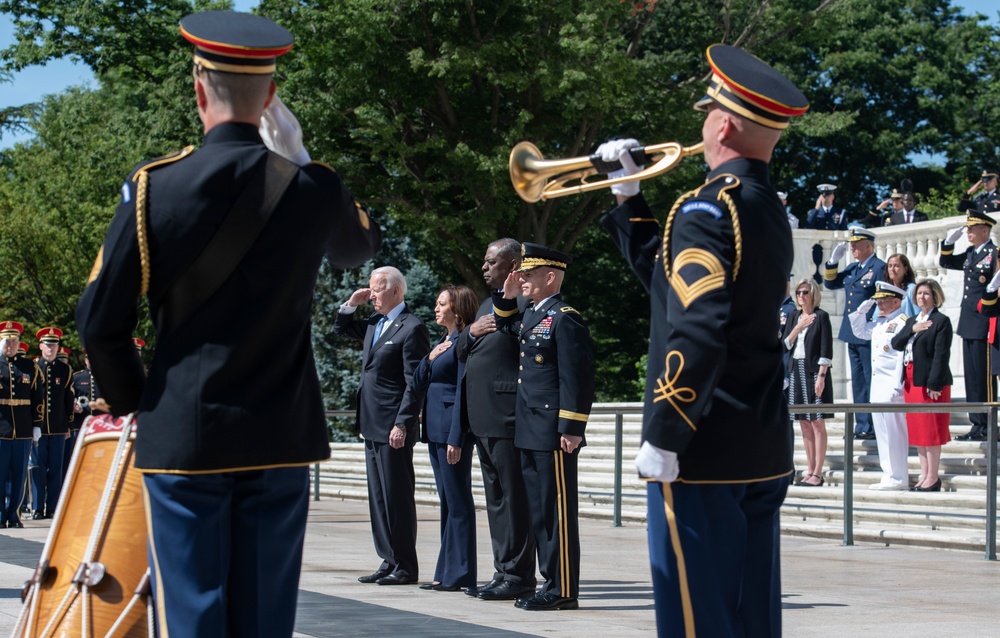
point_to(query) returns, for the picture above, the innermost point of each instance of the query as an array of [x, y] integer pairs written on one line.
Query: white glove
[[281, 132], [36, 433], [657, 464], [617, 151], [865, 306], [954, 235], [994, 284], [838, 252]]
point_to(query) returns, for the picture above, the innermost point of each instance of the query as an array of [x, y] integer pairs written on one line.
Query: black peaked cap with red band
[[749, 87], [233, 42]]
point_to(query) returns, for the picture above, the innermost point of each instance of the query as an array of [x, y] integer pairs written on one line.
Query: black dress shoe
[[397, 578], [443, 587], [506, 590], [865, 436], [474, 591], [37, 516], [429, 585], [546, 602], [15, 524], [371, 578], [936, 487]]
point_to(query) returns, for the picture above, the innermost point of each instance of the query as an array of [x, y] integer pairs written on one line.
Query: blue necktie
[[378, 329]]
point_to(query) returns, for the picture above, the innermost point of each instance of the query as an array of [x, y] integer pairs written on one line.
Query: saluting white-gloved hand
[[617, 151], [865, 306], [36, 433], [954, 235], [994, 284], [281, 132], [656, 463], [838, 252]]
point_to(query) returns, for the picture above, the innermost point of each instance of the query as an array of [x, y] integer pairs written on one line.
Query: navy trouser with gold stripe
[[715, 558], [550, 478], [226, 551]]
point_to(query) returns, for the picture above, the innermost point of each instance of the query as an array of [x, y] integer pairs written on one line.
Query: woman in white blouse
[[809, 337]]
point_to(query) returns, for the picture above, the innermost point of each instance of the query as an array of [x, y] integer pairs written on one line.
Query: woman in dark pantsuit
[[450, 448]]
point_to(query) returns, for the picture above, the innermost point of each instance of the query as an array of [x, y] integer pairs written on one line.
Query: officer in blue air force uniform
[[717, 440], [555, 392], [858, 282], [231, 414], [978, 263]]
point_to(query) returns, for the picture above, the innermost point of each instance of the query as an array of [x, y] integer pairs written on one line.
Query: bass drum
[[93, 578]]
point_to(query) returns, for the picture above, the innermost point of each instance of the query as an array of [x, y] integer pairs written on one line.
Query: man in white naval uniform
[[887, 381]]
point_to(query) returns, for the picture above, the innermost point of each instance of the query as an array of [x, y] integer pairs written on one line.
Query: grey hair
[[392, 277]]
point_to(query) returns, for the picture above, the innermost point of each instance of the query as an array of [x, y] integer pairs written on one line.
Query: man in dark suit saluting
[[487, 394], [394, 343]]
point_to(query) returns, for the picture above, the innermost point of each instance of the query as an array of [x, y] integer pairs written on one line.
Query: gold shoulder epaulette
[[569, 309], [162, 161], [324, 165]]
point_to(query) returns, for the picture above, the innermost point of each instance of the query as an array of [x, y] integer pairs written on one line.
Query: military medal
[[982, 279], [539, 358]]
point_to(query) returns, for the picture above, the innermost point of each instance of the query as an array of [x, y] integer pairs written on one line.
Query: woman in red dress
[[926, 341]]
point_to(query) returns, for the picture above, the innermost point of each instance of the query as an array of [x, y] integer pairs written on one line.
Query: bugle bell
[[537, 179]]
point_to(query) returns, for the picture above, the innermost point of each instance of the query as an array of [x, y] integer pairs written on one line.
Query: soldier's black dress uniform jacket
[[84, 385], [556, 380], [714, 382], [20, 397], [56, 409], [983, 203], [221, 393], [978, 268], [858, 282]]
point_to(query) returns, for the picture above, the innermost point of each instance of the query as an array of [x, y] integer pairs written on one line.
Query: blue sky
[[32, 84]]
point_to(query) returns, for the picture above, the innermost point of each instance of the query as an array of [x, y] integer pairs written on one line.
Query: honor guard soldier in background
[[826, 216], [88, 400], [488, 400], [555, 391], [987, 201], [56, 412], [979, 263], [858, 282], [20, 398], [227, 425], [716, 438]]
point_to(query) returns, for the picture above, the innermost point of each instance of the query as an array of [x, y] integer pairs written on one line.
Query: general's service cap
[[10, 329], [747, 86], [535, 255], [883, 290], [49, 335], [859, 232], [234, 42], [896, 194], [990, 173], [975, 218]]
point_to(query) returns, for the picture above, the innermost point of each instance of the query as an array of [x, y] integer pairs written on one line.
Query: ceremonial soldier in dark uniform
[[20, 396], [555, 391], [987, 201], [227, 424], [487, 405], [979, 262], [89, 400], [826, 216], [858, 282], [716, 437], [56, 411]]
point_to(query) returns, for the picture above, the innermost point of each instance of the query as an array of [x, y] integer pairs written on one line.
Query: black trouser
[[506, 505]]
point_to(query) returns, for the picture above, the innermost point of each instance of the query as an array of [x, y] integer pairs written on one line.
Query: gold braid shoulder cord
[[140, 230], [724, 196]]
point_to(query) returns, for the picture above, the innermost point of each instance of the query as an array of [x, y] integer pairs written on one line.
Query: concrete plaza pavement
[[829, 590]]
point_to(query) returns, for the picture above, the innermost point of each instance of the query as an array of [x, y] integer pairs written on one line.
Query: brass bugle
[[537, 179]]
